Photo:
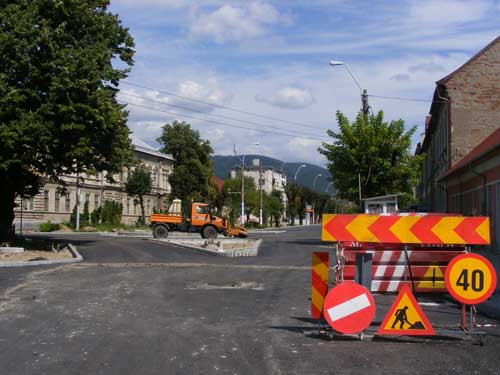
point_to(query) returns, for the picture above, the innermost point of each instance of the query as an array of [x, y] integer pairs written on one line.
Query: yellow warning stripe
[[317, 299]]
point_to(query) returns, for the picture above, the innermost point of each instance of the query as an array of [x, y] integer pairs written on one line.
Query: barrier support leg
[[463, 323], [405, 249]]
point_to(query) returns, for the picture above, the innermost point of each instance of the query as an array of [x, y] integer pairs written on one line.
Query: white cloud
[[402, 77], [210, 92], [235, 23], [305, 149], [443, 13], [288, 97], [151, 3]]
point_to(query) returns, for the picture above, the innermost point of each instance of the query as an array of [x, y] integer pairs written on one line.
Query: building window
[[45, 200], [147, 207], [67, 203], [56, 200], [28, 203], [128, 206], [153, 179], [96, 201]]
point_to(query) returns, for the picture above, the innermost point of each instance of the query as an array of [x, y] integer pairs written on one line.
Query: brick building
[[473, 184], [464, 112], [95, 189]]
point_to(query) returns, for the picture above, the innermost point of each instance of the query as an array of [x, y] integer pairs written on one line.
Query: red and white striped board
[[390, 271]]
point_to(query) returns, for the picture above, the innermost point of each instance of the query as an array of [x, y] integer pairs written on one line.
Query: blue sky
[[270, 58]]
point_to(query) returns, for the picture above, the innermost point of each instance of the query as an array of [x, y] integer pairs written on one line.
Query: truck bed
[[164, 218]]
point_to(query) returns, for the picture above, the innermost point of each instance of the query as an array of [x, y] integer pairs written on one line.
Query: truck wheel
[[209, 232], [160, 231]]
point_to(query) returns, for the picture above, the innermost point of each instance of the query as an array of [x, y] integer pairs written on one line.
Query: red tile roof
[[218, 182], [491, 143]]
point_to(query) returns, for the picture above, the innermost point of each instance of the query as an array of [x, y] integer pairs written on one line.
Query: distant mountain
[[223, 165]]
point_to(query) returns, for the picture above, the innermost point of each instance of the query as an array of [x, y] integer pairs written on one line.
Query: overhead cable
[[180, 115]]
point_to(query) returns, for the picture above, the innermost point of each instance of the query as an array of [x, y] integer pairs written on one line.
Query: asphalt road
[[137, 307]]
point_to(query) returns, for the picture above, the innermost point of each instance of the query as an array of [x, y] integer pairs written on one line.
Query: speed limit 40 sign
[[470, 278]]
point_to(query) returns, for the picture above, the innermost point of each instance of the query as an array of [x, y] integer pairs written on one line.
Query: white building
[[271, 178], [95, 189]]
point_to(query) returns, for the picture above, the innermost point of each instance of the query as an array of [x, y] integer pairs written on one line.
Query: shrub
[[47, 226], [109, 213], [84, 217]]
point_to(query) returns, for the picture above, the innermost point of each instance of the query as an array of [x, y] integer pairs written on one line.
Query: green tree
[[252, 203], [192, 175], [306, 198], [320, 205], [84, 216], [292, 192], [138, 184], [273, 206], [377, 151], [59, 77], [231, 194]]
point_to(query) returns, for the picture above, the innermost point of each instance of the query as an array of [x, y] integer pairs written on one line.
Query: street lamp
[[364, 92], [242, 218], [327, 186], [260, 187], [314, 184], [315, 178], [298, 170]]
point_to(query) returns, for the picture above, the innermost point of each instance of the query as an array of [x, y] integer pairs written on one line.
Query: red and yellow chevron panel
[[411, 229], [319, 287]]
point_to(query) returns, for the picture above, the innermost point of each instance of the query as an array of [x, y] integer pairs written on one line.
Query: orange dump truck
[[201, 220]]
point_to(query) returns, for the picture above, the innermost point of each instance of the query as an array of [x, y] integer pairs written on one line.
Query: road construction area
[[138, 307]]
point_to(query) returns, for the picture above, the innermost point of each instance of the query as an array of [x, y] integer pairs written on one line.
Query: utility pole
[[359, 188], [242, 190], [242, 217], [364, 102], [260, 186], [77, 201]]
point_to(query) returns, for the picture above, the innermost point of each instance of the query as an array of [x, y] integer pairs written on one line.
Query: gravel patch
[[32, 255]]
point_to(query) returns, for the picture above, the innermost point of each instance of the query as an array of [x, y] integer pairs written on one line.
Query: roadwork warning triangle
[[405, 317], [433, 278]]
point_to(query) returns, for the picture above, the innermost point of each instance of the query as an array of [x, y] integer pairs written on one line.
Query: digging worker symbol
[[401, 318]]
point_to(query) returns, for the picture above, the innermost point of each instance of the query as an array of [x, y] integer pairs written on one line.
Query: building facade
[[473, 184], [49, 204], [271, 178], [464, 112]]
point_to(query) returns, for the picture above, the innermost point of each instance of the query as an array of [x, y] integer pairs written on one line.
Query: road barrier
[[407, 254], [390, 268], [319, 284]]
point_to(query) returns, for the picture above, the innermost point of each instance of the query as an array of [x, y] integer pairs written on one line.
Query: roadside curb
[[231, 253], [76, 258]]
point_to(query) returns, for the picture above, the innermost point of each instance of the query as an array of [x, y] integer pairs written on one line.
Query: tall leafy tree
[[193, 170], [58, 82], [273, 206], [138, 184], [375, 150], [230, 196], [293, 196]]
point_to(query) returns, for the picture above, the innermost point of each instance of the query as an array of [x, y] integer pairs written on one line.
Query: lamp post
[[315, 178], [364, 93], [314, 184], [298, 170], [327, 186], [77, 201], [242, 217], [260, 188]]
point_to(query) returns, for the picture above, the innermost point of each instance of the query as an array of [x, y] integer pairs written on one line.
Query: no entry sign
[[349, 308]]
